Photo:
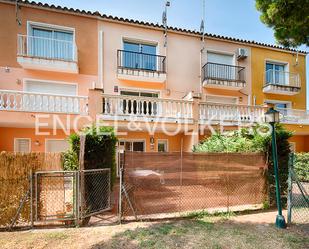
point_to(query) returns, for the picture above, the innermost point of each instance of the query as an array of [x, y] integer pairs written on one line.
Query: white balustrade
[[46, 48], [293, 116], [230, 113], [144, 107], [41, 102], [282, 78]]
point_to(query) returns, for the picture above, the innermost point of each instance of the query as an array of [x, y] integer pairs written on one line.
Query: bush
[[283, 149], [252, 140], [301, 166], [243, 140], [100, 150]]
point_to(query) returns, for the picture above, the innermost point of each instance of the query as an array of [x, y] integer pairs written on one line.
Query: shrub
[[100, 150], [252, 140], [301, 166], [243, 140]]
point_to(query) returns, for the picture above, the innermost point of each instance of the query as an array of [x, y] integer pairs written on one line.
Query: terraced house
[[162, 88]]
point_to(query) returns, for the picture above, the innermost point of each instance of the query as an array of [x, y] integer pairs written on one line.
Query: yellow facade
[[295, 64]]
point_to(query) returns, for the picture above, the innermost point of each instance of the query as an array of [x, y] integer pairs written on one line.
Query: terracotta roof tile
[[149, 24]]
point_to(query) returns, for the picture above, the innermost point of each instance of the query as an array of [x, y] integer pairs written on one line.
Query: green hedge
[[252, 140], [301, 166], [100, 150]]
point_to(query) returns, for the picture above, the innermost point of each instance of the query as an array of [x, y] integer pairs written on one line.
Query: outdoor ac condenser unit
[[241, 53]]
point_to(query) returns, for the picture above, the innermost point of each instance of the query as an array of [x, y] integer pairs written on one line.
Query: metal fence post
[[77, 194], [291, 162], [31, 198]]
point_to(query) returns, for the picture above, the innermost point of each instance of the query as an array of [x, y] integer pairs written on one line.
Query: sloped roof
[[147, 24]]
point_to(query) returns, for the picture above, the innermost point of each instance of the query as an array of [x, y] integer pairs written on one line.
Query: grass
[[196, 230], [204, 233]]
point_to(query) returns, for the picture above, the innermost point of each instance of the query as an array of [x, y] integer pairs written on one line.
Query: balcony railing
[[141, 61], [46, 48], [124, 107], [293, 116], [217, 112], [222, 72], [41, 102], [282, 78]]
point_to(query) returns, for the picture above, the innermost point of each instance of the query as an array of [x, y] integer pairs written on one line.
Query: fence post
[[77, 195], [31, 198], [290, 186], [122, 162]]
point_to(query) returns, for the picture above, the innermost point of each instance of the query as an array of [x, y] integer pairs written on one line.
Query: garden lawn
[[201, 232]]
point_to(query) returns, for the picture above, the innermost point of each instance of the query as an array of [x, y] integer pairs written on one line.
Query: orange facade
[[64, 69]]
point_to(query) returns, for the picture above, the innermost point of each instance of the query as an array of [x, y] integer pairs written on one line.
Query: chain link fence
[[298, 198], [165, 183]]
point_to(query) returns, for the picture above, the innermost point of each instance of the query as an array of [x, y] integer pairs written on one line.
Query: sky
[[234, 18]]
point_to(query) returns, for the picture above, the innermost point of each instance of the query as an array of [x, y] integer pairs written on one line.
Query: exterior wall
[[259, 57], [87, 58], [8, 134], [183, 60], [230, 48], [174, 142]]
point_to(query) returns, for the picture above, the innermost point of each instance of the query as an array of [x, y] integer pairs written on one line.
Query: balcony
[[130, 108], [41, 53], [294, 116], [281, 82], [211, 113], [223, 76], [134, 66], [41, 102]]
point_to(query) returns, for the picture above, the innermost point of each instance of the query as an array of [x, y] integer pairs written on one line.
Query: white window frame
[[272, 101], [139, 90], [48, 26], [223, 96], [278, 62], [141, 41], [223, 53], [163, 140], [51, 139], [25, 138], [26, 81], [133, 140]]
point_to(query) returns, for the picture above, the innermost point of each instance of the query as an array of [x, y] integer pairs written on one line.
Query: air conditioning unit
[[241, 53]]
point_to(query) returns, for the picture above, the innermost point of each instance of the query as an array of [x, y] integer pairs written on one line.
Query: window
[[162, 145], [222, 100], [220, 66], [139, 56], [56, 145], [49, 103], [275, 73], [282, 107], [22, 145], [133, 145], [48, 42], [226, 59], [140, 106]]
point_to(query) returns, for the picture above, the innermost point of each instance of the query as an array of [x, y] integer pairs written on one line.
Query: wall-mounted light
[[152, 140], [37, 143]]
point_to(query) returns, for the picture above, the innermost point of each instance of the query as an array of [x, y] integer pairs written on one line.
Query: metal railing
[[281, 78], [217, 71], [293, 116], [141, 61], [229, 112], [121, 105], [42, 102], [46, 48]]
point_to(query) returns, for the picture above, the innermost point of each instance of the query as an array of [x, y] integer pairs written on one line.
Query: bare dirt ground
[[243, 231]]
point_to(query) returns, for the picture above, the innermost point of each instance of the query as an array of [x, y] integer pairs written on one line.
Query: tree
[[288, 18]]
